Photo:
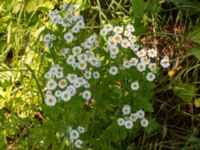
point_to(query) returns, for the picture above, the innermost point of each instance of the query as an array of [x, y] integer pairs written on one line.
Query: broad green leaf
[[195, 51], [185, 91], [194, 35], [138, 8], [152, 6]]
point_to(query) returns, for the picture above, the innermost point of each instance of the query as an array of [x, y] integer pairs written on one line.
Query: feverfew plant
[[93, 76]]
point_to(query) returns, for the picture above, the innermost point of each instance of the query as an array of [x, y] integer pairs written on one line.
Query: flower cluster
[[74, 137], [120, 42], [130, 118]]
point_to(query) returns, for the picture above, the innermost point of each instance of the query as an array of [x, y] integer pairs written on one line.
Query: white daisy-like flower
[[48, 93], [51, 84], [82, 65], [48, 75], [68, 37], [108, 27], [125, 43], [66, 96], [120, 121], [59, 74], [140, 114], [118, 29], [50, 100], [70, 60], [65, 21], [76, 50], [64, 51], [144, 123], [96, 75], [126, 64], [145, 60], [152, 67], [74, 134], [103, 32], [134, 47], [141, 67], [113, 56], [93, 61], [113, 70], [71, 89], [114, 50], [133, 61], [150, 76], [117, 38], [62, 83], [86, 95], [88, 74], [133, 117], [165, 62], [81, 24], [80, 129], [126, 109], [75, 29], [58, 93], [127, 33], [78, 143], [135, 85], [152, 53], [86, 85], [82, 58], [130, 28], [111, 42], [141, 53], [71, 77], [128, 124], [132, 38]]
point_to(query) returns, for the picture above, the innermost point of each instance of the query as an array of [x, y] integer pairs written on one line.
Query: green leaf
[[195, 51], [153, 6], [138, 8], [185, 91], [194, 35]]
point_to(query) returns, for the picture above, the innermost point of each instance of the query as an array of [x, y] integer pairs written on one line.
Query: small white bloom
[[62, 83], [132, 38], [86, 95], [134, 47], [118, 29], [135, 85], [126, 64], [72, 77], [71, 89], [76, 50], [82, 65], [165, 62], [70, 60], [114, 50], [108, 27], [80, 129], [50, 100], [66, 96], [48, 75], [127, 33], [128, 124], [111, 42], [88, 75], [150, 76], [120, 121], [51, 84], [144, 122], [113, 70], [103, 32], [141, 67], [58, 93], [141, 53], [68, 37], [96, 75], [133, 61], [145, 60], [113, 56], [59, 74], [64, 51], [78, 143], [117, 38], [130, 28], [74, 134], [82, 58], [140, 114], [126, 109], [133, 117], [152, 53], [152, 67], [125, 43]]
